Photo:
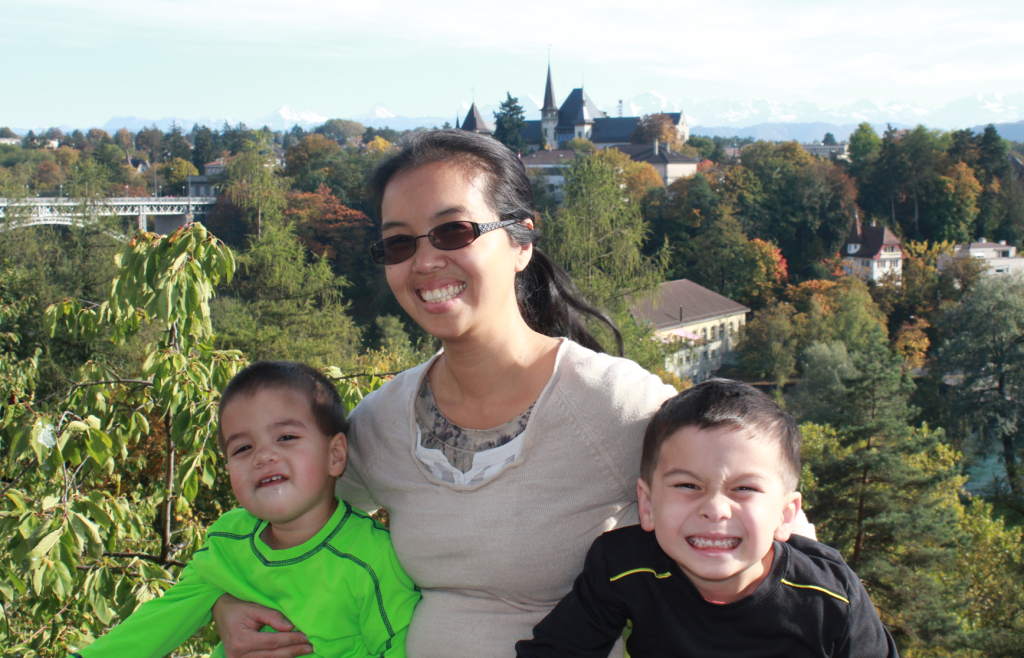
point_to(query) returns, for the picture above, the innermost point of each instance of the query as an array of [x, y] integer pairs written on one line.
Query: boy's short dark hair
[[324, 401], [724, 403]]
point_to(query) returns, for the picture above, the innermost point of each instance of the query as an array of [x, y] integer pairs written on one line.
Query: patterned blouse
[[459, 445]]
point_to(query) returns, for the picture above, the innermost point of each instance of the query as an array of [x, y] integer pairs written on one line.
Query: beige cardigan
[[494, 558]]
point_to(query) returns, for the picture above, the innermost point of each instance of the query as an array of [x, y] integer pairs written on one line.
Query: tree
[[983, 355], [7, 133], [885, 493], [581, 145], [340, 130], [378, 146], [659, 127], [829, 140], [308, 162], [176, 172], [864, 147], [769, 342], [636, 178], [509, 123], [956, 205], [598, 235], [206, 143], [89, 538], [284, 305], [768, 273], [254, 184]]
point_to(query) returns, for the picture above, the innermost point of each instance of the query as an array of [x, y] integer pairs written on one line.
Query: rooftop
[[682, 302]]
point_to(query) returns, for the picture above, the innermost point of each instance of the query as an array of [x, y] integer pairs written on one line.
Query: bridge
[[169, 212]]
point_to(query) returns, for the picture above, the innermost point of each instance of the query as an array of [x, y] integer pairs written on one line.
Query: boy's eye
[[240, 449], [747, 489], [288, 437], [686, 485]]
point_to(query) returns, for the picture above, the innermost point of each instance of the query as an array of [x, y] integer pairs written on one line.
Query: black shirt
[[810, 604]]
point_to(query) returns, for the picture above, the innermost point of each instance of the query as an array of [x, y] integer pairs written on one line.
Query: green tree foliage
[[884, 492], [597, 236], [802, 204], [340, 130], [864, 146], [175, 173], [509, 122], [769, 343], [982, 360], [254, 185], [83, 548], [956, 205], [284, 305], [829, 140]]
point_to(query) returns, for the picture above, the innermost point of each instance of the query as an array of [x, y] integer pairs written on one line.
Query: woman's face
[[451, 294]]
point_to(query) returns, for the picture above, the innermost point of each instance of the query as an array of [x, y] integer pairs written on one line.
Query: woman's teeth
[[701, 542], [442, 294]]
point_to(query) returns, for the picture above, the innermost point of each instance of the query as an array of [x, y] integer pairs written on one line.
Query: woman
[[506, 454]]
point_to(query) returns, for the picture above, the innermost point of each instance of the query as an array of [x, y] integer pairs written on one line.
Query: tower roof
[[474, 122], [549, 94], [571, 109]]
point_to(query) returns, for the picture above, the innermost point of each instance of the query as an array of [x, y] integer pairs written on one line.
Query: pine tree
[[509, 123], [885, 496]]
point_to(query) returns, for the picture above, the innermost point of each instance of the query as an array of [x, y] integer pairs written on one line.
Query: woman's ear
[[525, 250]]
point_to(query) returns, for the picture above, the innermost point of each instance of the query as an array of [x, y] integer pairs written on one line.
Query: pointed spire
[[457, 122], [549, 93]]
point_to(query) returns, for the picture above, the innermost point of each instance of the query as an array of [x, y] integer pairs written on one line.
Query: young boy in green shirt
[[292, 546]]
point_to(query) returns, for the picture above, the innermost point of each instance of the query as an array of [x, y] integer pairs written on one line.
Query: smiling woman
[[506, 454]]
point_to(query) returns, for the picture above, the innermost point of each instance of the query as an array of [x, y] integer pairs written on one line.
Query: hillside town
[[872, 287]]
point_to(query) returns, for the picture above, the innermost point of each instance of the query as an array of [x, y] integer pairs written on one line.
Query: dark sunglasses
[[447, 237]]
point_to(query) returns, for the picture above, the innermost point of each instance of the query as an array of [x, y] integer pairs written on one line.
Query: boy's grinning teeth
[[275, 478], [702, 542], [442, 294]]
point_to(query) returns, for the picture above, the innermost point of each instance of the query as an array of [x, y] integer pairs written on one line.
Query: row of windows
[[718, 332]]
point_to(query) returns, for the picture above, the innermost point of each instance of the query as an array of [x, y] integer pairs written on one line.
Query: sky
[[81, 62]]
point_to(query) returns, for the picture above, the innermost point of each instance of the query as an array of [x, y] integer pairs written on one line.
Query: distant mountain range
[[761, 119]]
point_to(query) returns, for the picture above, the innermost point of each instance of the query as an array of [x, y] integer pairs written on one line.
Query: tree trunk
[[892, 206], [858, 543], [165, 549]]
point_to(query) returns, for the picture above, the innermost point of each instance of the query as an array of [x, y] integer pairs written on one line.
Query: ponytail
[[551, 304], [548, 299]]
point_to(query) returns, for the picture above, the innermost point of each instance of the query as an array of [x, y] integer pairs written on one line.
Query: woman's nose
[[427, 257]]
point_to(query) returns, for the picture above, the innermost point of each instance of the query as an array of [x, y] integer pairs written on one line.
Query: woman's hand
[[239, 623]]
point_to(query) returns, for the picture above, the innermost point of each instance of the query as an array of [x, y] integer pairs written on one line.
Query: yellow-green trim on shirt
[[815, 587], [642, 570]]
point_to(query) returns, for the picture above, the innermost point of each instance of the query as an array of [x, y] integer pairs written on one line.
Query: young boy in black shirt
[[712, 569]]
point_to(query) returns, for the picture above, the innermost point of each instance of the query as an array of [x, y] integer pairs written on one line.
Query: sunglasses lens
[[453, 235], [397, 249]]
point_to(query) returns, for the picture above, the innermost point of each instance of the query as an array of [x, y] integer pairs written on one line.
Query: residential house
[[873, 252], [999, 257], [671, 166], [706, 326]]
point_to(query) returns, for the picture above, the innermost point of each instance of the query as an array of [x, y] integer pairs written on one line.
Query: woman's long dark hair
[[548, 299]]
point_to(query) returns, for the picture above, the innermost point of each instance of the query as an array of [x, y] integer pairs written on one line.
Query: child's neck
[[730, 591], [288, 534]]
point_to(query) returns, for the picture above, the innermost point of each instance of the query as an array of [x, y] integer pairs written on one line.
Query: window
[[713, 333]]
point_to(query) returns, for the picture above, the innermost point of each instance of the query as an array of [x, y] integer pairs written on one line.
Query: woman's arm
[[239, 623]]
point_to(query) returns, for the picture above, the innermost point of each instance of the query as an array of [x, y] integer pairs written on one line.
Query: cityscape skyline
[[81, 65]]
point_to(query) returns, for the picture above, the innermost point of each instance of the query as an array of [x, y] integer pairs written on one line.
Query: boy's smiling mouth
[[269, 480], [720, 543]]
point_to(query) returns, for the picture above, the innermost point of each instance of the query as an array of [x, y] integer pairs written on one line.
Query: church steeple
[[549, 94], [457, 122]]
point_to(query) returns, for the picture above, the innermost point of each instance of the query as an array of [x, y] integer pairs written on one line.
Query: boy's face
[[715, 503], [282, 466]]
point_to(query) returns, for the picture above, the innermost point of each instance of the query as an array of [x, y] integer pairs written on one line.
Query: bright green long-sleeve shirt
[[343, 588]]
